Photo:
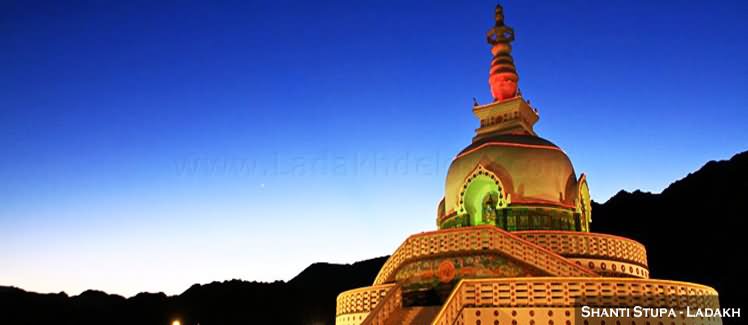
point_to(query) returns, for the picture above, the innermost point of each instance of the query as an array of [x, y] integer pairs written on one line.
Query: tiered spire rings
[[503, 76]]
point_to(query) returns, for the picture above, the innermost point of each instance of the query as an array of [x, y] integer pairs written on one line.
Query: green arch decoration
[[481, 198], [584, 203]]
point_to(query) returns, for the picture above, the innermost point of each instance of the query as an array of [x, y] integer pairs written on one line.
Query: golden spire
[[503, 76]]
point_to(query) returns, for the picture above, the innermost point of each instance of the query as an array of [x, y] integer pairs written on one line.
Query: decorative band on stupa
[[503, 77]]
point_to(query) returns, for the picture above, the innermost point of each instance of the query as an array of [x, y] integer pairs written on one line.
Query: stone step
[[413, 315]]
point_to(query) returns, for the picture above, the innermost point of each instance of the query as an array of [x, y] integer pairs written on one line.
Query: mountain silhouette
[[308, 298], [692, 230]]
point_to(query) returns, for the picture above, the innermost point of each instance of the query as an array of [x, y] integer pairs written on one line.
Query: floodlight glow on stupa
[[513, 244]]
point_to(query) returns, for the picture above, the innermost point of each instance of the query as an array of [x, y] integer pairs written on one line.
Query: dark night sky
[[261, 136]]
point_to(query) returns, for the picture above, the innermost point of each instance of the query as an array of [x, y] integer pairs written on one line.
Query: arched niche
[[482, 197]]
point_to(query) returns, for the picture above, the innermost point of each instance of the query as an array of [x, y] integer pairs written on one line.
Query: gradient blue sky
[[146, 147]]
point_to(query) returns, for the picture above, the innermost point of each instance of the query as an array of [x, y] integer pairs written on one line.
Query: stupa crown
[[503, 77], [509, 113]]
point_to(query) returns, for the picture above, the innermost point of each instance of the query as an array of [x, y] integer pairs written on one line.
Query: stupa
[[513, 244]]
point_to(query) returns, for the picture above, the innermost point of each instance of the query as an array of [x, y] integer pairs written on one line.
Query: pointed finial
[[499, 15]]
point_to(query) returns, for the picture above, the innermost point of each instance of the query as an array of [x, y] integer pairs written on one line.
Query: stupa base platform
[[537, 300]]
